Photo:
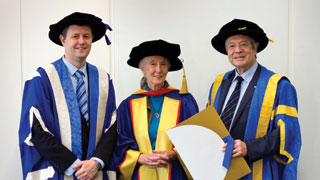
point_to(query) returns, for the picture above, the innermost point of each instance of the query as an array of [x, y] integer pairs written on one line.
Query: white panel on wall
[[192, 24], [306, 72], [10, 93]]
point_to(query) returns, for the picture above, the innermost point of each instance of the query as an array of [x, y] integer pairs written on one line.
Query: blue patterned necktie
[[230, 108], [82, 95]]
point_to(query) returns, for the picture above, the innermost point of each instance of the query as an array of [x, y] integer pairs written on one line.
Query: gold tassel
[[184, 86], [271, 40]]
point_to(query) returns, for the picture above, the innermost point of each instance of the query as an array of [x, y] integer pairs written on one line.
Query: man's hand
[[239, 148], [86, 170]]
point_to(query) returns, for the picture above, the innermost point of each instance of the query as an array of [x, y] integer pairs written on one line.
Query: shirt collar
[[72, 69], [247, 76]]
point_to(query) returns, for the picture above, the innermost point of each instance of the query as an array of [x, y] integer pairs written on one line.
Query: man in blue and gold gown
[[264, 123]]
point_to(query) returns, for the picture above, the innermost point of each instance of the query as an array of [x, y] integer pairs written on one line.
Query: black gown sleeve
[[50, 148]]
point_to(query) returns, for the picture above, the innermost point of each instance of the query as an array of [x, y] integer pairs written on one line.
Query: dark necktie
[[82, 95], [230, 108]]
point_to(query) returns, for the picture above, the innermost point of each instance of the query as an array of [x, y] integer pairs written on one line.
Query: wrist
[[140, 159], [99, 166], [173, 155]]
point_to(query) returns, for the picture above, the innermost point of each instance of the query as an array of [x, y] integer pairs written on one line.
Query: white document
[[201, 151]]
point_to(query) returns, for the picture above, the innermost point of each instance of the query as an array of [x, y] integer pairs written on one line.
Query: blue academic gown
[[267, 121], [50, 104], [134, 139]]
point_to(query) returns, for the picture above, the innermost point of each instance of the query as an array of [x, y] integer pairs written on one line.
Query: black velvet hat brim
[[218, 42], [239, 27], [175, 63], [156, 48], [97, 27]]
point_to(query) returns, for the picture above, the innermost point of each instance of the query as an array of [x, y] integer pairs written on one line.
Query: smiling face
[[77, 43], [155, 69], [241, 52]]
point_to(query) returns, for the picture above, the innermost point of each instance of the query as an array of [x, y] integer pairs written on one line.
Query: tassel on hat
[[184, 86], [271, 40], [105, 36]]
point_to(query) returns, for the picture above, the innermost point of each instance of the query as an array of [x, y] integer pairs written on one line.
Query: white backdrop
[[292, 24], [192, 24]]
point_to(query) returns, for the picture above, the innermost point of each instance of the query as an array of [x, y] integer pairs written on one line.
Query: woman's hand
[[166, 155], [151, 160], [157, 158]]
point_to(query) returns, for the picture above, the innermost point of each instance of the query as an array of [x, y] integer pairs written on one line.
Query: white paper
[[201, 151]]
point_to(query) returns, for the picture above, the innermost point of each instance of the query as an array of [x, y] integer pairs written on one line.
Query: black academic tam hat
[[236, 27], [156, 48], [98, 28]]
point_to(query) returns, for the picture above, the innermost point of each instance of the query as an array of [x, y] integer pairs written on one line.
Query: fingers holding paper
[[239, 148]]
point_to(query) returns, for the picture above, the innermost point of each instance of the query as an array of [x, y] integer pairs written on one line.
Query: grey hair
[[253, 42], [144, 61]]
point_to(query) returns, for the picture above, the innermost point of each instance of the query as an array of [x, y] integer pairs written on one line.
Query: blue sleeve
[[209, 103], [39, 137], [189, 106], [286, 118], [126, 139]]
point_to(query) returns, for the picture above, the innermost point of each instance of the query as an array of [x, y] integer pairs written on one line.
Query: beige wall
[[292, 24]]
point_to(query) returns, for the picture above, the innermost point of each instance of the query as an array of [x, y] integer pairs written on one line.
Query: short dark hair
[[65, 31]]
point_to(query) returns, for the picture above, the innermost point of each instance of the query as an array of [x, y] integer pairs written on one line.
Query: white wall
[[305, 51], [192, 24], [10, 93], [36, 46], [292, 24]]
